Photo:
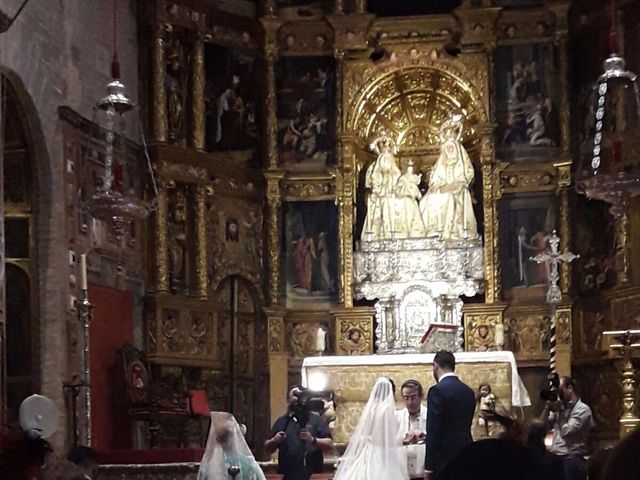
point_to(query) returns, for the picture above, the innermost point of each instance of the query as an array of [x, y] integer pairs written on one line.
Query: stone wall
[[58, 53]]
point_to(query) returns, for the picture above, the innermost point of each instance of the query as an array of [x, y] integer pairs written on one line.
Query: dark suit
[[450, 408]]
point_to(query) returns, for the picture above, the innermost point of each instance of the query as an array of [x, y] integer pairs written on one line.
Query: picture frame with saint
[[232, 107], [526, 222], [527, 102], [306, 117], [309, 254]]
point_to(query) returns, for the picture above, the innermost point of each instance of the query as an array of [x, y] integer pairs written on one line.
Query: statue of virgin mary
[[381, 180], [447, 210]]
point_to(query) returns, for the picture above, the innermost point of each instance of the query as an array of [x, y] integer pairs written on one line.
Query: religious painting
[[306, 119], [595, 269], [527, 335], [231, 100], [526, 223], [527, 102], [310, 254]]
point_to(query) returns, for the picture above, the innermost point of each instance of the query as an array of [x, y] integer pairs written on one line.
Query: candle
[[83, 271], [500, 335], [321, 340]]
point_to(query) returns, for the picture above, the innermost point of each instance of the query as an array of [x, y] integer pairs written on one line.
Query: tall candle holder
[[626, 341], [83, 309]]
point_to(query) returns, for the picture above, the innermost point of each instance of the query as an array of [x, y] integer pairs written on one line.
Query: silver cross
[[553, 258]]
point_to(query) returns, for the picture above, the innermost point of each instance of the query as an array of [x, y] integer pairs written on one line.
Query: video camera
[[552, 393], [307, 402]]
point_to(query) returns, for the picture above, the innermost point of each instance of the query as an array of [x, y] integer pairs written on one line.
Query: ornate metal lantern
[[613, 173], [111, 203]]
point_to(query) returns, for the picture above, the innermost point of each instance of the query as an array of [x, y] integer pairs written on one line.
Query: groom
[[450, 409]]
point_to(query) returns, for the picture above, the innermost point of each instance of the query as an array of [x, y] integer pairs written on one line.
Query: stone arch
[[25, 122]]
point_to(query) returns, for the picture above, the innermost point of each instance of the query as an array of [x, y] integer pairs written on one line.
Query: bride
[[374, 451]]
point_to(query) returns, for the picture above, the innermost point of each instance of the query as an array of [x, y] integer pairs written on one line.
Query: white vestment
[[416, 452], [374, 451]]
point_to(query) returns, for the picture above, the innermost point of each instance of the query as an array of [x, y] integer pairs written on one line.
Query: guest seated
[[374, 451], [227, 452]]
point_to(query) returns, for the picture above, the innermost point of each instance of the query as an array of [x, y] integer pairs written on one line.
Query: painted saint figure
[[381, 179], [447, 210]]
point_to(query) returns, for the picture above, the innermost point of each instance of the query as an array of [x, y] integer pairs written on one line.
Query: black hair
[[82, 455], [411, 383], [393, 387], [568, 382], [446, 360]]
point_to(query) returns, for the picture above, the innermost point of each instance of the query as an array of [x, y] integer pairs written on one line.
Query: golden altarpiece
[[261, 132]]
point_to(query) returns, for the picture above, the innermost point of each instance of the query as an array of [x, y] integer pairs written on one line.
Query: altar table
[[352, 377]]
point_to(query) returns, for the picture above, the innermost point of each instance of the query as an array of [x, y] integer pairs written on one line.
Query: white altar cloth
[[519, 395]]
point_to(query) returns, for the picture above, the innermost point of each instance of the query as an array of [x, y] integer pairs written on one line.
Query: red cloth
[[198, 403]]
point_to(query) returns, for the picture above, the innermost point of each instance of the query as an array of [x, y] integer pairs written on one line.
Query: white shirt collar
[[445, 375]]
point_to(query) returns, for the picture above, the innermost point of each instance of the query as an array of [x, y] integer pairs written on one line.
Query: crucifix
[[552, 258]]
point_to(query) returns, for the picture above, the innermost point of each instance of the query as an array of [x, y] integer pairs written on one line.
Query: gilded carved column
[[161, 241], [345, 196], [273, 235], [564, 226], [158, 71], [198, 105], [560, 11], [491, 226], [623, 233], [270, 54], [202, 191]]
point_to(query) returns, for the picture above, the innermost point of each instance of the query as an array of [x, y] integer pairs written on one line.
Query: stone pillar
[[161, 241], [273, 235], [199, 80], [158, 71], [3, 346], [278, 361], [491, 223], [202, 191]]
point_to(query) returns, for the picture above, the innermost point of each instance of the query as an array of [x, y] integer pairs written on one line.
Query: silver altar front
[[416, 281]]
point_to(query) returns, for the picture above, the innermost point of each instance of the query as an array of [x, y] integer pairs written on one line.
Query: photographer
[[571, 420], [301, 437]]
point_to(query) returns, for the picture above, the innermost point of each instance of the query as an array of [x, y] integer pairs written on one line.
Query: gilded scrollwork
[[563, 326], [481, 333], [276, 334], [354, 331], [318, 187], [527, 332], [198, 91], [302, 339]]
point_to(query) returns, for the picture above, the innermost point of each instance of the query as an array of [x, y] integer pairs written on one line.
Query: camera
[[552, 393], [306, 403]]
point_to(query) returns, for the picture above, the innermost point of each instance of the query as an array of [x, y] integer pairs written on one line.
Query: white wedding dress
[[374, 451]]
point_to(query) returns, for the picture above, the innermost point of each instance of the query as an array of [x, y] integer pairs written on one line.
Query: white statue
[[408, 219], [381, 179], [447, 210]]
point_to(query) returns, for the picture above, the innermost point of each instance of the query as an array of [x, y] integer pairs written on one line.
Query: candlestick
[[83, 271], [321, 343]]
